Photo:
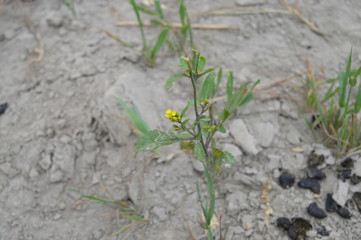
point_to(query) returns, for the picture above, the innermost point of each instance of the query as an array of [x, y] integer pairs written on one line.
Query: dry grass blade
[[179, 25], [39, 50], [297, 13]]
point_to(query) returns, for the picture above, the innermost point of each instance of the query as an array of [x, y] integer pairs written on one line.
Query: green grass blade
[[211, 195], [102, 200], [160, 41], [159, 9], [146, 11], [140, 22], [229, 89], [219, 77], [189, 104], [70, 5], [123, 229], [343, 80], [135, 117], [358, 100], [133, 217], [172, 79]]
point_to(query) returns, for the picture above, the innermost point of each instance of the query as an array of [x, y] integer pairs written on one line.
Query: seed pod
[[315, 211]]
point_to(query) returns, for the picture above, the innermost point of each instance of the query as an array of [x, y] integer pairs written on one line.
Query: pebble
[[55, 21], [198, 166], [264, 133], [243, 138], [3, 108], [293, 137], [286, 180], [331, 205], [310, 183], [344, 212], [45, 162], [160, 213], [233, 149], [315, 211], [340, 192]]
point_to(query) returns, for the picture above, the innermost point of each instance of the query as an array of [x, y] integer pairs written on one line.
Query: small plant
[[70, 5], [170, 35], [197, 135], [336, 113]]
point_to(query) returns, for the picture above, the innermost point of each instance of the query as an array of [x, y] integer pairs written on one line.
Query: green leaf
[[70, 5], [223, 116], [358, 99], [135, 117], [206, 71], [199, 152], [133, 217], [159, 9], [241, 97], [146, 11], [102, 200], [159, 23], [160, 41], [155, 139], [211, 195], [229, 85], [172, 79], [184, 111], [219, 77], [228, 158], [185, 136], [201, 63], [208, 87], [183, 63], [221, 129], [136, 9]]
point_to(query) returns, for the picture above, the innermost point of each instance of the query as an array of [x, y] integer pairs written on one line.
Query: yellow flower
[[173, 116]]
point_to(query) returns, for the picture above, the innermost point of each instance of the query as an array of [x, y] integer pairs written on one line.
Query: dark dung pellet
[[345, 174], [316, 174], [315, 211], [299, 228], [357, 199], [283, 223], [355, 179], [3, 107], [286, 180], [323, 231], [344, 212], [347, 163], [331, 205], [315, 160], [310, 183]]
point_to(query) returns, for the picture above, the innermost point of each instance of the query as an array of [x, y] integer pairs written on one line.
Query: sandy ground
[[59, 136]]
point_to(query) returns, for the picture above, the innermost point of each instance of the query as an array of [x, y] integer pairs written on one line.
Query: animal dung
[[299, 228], [331, 205], [315, 211], [283, 223], [316, 174], [286, 180], [310, 183], [344, 212]]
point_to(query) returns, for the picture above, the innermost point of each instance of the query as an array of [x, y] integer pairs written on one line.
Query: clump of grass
[[336, 113], [70, 5], [169, 35], [197, 134]]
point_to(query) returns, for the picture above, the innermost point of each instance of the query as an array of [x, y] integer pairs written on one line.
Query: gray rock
[[134, 190], [89, 142], [56, 175], [274, 162], [264, 133], [232, 149], [340, 192], [198, 166], [160, 213], [293, 137], [9, 34], [55, 21], [236, 202], [63, 163], [243, 138], [9, 170], [45, 162]]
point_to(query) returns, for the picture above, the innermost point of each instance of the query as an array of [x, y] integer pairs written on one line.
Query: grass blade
[[211, 195], [160, 41], [70, 5], [229, 85], [133, 217], [140, 22], [343, 80], [159, 9], [102, 200]]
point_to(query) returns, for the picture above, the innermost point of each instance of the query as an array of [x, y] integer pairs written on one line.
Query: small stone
[[55, 21], [299, 228], [3, 108], [286, 180], [264, 133], [344, 212], [323, 231], [233, 149], [56, 176], [57, 216], [357, 199], [331, 205], [316, 174], [198, 166], [310, 183], [243, 138], [293, 137], [315, 211], [340, 192], [283, 223], [45, 163], [160, 213], [33, 173]]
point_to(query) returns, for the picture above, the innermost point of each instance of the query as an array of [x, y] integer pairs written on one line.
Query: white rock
[[264, 133], [340, 192], [293, 137], [243, 138], [232, 149], [45, 162], [198, 166]]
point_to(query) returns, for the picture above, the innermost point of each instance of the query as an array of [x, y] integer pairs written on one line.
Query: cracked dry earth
[[60, 137]]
